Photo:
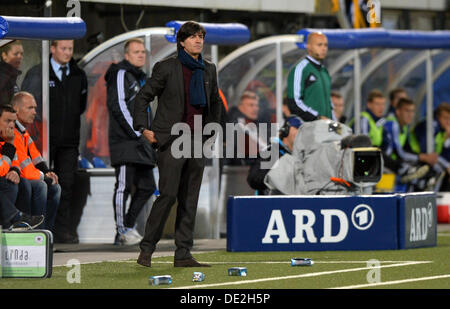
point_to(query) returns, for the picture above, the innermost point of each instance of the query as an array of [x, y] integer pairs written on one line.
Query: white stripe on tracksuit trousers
[[121, 179], [119, 198]]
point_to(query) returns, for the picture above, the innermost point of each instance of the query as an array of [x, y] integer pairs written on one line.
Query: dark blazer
[[166, 83], [67, 102]]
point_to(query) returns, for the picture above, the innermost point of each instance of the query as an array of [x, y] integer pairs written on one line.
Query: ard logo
[[421, 223], [334, 221]]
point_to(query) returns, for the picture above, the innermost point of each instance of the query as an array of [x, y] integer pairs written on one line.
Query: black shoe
[[65, 239], [27, 222], [145, 259], [191, 262]]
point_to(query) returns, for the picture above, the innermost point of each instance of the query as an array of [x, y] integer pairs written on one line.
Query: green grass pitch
[[404, 269]]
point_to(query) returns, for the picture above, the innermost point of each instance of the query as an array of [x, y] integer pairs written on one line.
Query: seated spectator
[[11, 59], [338, 106], [247, 109], [394, 96], [285, 142], [245, 117], [9, 174], [37, 181], [395, 136], [372, 120], [441, 126]]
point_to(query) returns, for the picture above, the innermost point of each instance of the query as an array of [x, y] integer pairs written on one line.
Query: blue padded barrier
[[41, 28], [379, 37], [219, 34]]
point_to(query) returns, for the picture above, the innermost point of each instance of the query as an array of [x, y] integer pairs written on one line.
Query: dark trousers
[[65, 165], [178, 179], [136, 180], [8, 195]]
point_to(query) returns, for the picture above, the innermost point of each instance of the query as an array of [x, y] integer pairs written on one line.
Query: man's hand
[[430, 158], [150, 136], [13, 177], [53, 176], [8, 135]]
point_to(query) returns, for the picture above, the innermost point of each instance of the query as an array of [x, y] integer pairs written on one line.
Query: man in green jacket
[[309, 83]]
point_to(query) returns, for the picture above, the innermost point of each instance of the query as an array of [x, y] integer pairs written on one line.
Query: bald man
[[309, 83]]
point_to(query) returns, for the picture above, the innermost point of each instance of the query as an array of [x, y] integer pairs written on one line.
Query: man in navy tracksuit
[[131, 155]]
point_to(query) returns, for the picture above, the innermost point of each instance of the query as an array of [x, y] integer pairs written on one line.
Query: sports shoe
[[418, 173], [27, 222], [130, 237]]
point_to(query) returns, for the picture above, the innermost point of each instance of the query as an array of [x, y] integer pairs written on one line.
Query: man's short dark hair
[[336, 94], [375, 94], [6, 108], [394, 92], [404, 101], [444, 107], [54, 43], [186, 30]]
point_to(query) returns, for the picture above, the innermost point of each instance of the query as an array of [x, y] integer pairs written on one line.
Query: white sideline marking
[[392, 282], [296, 276], [279, 262]]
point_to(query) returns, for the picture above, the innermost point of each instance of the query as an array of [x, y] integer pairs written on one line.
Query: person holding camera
[[285, 143]]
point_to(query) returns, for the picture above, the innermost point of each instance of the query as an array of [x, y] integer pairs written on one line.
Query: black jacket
[[167, 84], [256, 174], [8, 82], [67, 102], [125, 144]]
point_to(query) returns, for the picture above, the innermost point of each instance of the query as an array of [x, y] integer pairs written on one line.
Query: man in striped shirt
[[309, 83]]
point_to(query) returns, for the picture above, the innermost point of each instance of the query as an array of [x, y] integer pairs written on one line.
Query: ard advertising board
[[310, 223]]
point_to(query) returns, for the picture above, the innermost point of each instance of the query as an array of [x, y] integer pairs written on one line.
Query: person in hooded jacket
[[131, 155], [11, 58]]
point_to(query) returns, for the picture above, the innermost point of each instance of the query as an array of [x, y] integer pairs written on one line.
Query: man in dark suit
[[186, 86], [68, 97]]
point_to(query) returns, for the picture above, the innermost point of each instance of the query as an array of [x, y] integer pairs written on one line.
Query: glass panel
[[29, 79], [291, 56], [441, 82], [342, 79], [94, 123], [253, 71]]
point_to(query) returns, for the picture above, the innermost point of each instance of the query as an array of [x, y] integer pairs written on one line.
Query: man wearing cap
[[285, 144]]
